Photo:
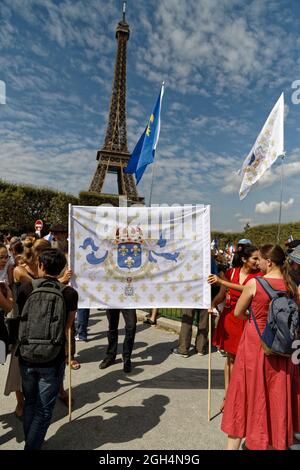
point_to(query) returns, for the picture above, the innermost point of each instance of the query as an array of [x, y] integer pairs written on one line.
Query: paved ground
[[161, 405]]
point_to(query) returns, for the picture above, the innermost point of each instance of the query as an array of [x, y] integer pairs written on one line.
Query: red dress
[[229, 328], [263, 397]]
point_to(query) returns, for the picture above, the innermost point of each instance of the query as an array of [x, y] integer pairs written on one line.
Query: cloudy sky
[[225, 63]]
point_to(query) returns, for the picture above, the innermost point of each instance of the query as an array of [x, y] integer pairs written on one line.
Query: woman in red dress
[[263, 397], [229, 329]]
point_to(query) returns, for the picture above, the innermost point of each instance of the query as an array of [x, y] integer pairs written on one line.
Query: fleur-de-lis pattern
[[166, 282]]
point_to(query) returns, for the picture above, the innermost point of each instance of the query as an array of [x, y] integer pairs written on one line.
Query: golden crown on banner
[[130, 234]]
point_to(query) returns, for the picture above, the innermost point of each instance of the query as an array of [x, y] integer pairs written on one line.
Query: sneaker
[[295, 447], [297, 436], [222, 353], [200, 353], [77, 338], [176, 351]]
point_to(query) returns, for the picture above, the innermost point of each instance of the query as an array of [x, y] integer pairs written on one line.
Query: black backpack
[[283, 326], [42, 322]]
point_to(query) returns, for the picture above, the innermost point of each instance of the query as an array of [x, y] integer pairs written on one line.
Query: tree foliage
[[22, 205], [260, 234]]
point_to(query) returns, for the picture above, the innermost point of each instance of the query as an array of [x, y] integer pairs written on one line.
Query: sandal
[[74, 364], [148, 321]]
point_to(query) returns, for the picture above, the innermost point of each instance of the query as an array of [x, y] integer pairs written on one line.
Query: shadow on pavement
[[96, 353], [14, 428], [122, 424]]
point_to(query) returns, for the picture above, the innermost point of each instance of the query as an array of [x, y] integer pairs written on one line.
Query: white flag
[[141, 257], [268, 146]]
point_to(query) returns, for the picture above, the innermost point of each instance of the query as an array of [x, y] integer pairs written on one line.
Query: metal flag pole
[[153, 164], [281, 196], [152, 181]]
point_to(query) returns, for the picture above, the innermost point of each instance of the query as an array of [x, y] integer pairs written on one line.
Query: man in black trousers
[[113, 316]]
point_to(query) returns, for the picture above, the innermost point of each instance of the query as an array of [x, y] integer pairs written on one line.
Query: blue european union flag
[[144, 151]]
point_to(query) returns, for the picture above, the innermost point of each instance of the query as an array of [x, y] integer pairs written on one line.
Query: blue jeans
[[82, 320], [40, 388]]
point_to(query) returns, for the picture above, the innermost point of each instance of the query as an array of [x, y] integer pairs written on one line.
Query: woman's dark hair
[[276, 254], [53, 261], [17, 247], [245, 251], [248, 251]]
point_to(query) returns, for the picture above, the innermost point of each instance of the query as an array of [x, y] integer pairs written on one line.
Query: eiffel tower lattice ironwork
[[114, 155]]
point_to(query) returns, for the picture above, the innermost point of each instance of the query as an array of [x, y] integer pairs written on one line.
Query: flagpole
[[153, 165], [152, 181], [281, 198]]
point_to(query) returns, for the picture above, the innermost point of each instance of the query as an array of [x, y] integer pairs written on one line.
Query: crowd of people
[[255, 384]]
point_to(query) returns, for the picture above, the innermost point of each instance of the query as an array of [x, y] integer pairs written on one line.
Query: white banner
[[268, 146], [140, 257]]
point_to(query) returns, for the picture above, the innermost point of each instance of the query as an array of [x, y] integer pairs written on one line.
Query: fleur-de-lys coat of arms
[[128, 256]]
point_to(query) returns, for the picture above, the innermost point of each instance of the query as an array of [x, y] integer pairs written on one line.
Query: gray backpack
[[282, 327], [42, 322]]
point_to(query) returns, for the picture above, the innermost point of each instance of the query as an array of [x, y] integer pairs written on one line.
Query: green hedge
[[22, 205], [260, 234]]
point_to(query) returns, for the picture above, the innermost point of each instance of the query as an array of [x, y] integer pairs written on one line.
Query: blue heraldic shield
[[129, 255]]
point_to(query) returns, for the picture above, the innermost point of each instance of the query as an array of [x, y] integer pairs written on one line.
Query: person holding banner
[[41, 380], [263, 397], [113, 316], [229, 329], [187, 320]]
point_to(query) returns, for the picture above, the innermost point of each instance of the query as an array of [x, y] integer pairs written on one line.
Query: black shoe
[[127, 366], [107, 361], [148, 321]]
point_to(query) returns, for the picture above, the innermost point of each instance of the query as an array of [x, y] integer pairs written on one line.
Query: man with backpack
[[47, 311]]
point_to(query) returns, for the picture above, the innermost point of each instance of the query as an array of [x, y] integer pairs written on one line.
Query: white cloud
[[231, 183], [59, 82], [215, 125], [268, 207], [203, 43]]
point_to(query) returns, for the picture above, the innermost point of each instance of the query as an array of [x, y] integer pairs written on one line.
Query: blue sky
[[225, 63]]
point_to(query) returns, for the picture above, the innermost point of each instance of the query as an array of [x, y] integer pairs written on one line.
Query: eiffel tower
[[114, 155]]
